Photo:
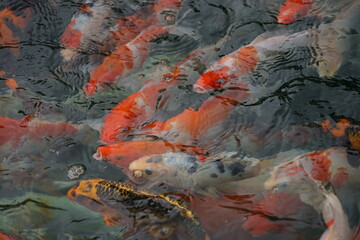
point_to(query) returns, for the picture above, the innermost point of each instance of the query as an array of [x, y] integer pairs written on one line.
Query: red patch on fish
[[279, 205], [294, 10], [122, 154], [321, 164], [244, 61], [71, 37]]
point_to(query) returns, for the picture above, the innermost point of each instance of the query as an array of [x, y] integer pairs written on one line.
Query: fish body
[[86, 28], [233, 69], [122, 154], [155, 214], [133, 112], [294, 10], [191, 172], [8, 38], [191, 125], [14, 131], [139, 108], [163, 12], [124, 60], [314, 170]]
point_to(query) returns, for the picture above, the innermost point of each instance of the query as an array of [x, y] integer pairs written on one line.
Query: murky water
[[141, 95]]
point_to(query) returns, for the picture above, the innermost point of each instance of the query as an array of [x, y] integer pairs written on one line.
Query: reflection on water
[[179, 119]]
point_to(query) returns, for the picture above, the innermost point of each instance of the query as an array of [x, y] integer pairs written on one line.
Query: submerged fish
[[86, 28], [294, 10], [308, 175], [124, 60], [161, 12], [344, 129], [135, 111], [13, 131], [191, 172], [194, 126], [156, 215], [234, 69], [123, 153], [8, 38]]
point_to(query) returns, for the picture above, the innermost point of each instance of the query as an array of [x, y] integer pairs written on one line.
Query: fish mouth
[[200, 89], [97, 156]]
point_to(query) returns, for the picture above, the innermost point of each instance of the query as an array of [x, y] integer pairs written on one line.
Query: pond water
[[179, 119]]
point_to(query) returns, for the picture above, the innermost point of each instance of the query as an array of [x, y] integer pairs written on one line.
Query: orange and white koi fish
[[79, 34], [13, 131], [234, 68], [123, 61], [8, 38], [138, 108], [190, 172], [191, 126], [122, 154], [336, 166], [294, 10], [133, 112]]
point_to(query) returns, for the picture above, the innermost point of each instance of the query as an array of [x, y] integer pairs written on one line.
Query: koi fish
[[13, 131], [334, 165], [162, 12], [124, 60], [8, 38], [79, 34], [159, 215], [193, 125], [344, 129], [186, 171], [294, 10], [232, 70], [138, 108], [122, 153], [133, 112]]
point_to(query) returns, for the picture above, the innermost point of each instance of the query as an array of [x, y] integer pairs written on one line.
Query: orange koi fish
[[13, 131], [140, 107], [123, 61], [7, 37], [119, 203], [79, 34], [344, 129], [192, 125], [123, 153], [133, 112], [314, 170], [294, 10]]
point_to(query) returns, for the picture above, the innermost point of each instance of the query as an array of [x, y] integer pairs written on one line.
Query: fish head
[[293, 10], [85, 194], [148, 168], [114, 132], [213, 80]]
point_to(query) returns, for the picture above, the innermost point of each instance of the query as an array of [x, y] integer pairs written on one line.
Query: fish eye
[[124, 129], [167, 79], [169, 18], [148, 171], [220, 80]]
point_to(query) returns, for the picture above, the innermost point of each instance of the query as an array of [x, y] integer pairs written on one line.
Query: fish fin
[[26, 120], [11, 83]]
